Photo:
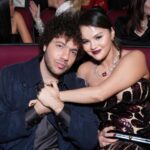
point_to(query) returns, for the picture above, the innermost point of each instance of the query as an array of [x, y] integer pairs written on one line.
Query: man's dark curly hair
[[63, 25]]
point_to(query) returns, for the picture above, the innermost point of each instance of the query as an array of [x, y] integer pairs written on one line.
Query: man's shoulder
[[10, 68], [72, 81], [16, 68]]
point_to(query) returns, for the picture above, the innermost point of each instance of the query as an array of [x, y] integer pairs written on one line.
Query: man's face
[[60, 54]]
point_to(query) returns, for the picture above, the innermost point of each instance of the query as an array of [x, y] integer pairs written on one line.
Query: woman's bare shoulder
[[84, 68], [132, 52], [135, 59], [133, 55]]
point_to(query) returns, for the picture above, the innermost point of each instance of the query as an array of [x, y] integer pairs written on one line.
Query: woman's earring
[[44, 48]]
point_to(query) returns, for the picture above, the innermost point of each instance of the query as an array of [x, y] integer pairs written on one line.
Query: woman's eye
[[84, 41], [98, 37]]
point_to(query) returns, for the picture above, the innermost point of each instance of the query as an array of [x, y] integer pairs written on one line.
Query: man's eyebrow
[[65, 44], [74, 49], [60, 42]]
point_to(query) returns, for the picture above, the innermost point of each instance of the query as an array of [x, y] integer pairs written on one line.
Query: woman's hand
[[105, 137], [35, 10]]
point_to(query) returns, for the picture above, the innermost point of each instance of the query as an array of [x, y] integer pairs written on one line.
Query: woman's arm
[[130, 69], [22, 28], [35, 11]]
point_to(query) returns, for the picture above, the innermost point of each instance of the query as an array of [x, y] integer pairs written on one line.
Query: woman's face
[[96, 41], [147, 7]]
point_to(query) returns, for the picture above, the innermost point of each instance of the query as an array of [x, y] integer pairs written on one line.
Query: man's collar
[[31, 72], [70, 81], [32, 75]]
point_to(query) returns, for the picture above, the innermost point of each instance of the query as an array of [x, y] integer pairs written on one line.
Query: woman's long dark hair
[[95, 17], [135, 13], [5, 21]]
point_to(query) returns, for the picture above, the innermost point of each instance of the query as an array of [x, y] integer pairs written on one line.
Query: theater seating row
[[11, 54]]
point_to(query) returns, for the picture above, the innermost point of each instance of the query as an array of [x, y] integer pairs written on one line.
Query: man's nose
[[66, 53]]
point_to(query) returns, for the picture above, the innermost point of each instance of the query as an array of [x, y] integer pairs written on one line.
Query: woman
[[12, 26], [134, 28], [118, 79]]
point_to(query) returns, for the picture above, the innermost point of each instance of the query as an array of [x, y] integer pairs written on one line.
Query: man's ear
[[44, 48], [112, 34]]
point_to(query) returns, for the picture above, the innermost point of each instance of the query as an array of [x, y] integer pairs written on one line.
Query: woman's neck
[[144, 26], [110, 57], [108, 64], [144, 22]]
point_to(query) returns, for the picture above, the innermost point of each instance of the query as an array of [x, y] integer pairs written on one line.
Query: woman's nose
[[93, 45]]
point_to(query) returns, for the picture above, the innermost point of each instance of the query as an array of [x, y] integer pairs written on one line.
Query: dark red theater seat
[[47, 14], [114, 14], [11, 54]]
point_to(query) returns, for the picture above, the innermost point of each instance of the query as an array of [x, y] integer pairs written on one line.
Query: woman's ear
[[112, 34], [44, 48]]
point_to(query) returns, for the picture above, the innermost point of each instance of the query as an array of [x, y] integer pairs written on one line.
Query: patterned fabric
[[121, 145], [129, 112]]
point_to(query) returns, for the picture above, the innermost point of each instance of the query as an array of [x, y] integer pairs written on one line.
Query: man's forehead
[[66, 40]]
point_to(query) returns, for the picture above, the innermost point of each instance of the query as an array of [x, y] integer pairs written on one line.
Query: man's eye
[[74, 52], [59, 45]]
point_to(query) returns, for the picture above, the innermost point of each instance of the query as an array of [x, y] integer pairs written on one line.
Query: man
[[60, 126]]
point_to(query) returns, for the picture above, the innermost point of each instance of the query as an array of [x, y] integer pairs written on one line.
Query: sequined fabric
[[131, 113], [122, 145]]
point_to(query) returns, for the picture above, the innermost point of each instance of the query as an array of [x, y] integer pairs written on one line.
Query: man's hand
[[39, 107], [49, 97], [32, 102], [104, 136]]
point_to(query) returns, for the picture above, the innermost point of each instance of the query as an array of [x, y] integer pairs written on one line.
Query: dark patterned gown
[[129, 114]]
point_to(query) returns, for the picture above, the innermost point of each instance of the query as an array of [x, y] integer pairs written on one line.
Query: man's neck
[[46, 75]]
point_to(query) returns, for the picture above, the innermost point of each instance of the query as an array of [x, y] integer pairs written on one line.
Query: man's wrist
[[41, 109], [63, 119], [38, 110], [32, 117], [58, 107]]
